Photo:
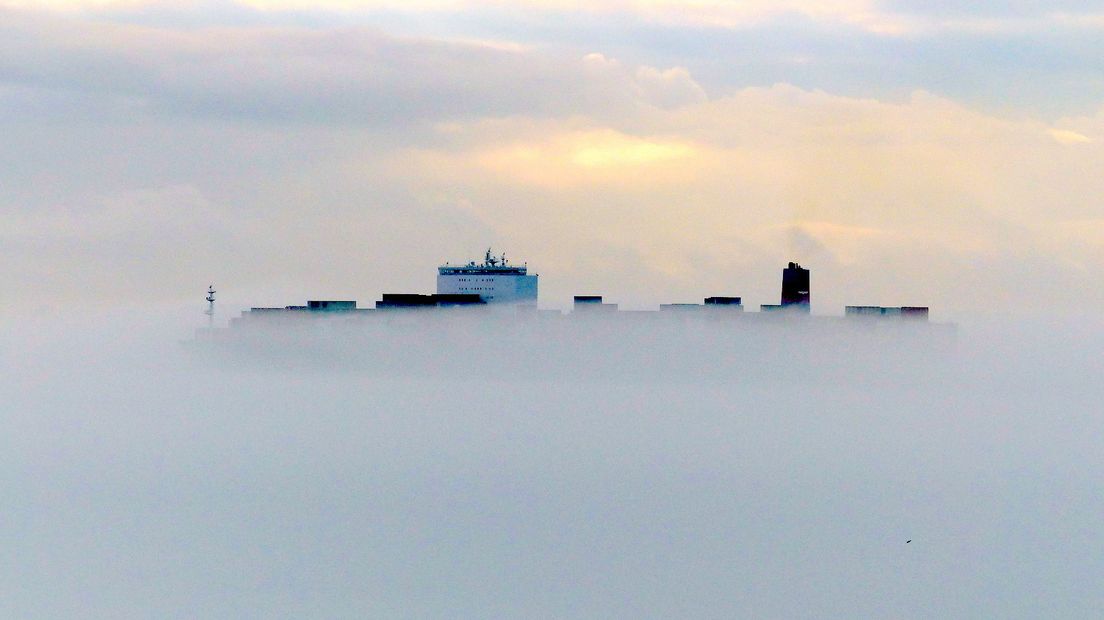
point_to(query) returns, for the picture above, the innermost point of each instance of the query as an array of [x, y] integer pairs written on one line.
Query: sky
[[656, 151]]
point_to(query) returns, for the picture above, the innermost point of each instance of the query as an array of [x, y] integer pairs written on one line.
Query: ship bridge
[[494, 279]]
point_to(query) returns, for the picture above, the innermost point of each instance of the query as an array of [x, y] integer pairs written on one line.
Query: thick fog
[[484, 467]]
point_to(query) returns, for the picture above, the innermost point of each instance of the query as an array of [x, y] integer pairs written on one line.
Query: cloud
[[892, 18], [356, 75], [339, 76], [669, 88], [617, 175], [699, 12], [923, 201], [1065, 136], [851, 185], [575, 157], [1032, 62]]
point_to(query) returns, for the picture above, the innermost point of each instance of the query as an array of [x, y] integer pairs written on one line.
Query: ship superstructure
[[495, 280]]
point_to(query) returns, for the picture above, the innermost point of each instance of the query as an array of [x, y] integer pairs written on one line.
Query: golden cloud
[[594, 156], [1066, 136], [924, 184]]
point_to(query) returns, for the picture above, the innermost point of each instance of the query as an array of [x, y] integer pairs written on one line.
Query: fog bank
[[142, 479]]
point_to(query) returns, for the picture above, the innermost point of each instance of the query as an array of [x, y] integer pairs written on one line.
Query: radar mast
[[210, 311]]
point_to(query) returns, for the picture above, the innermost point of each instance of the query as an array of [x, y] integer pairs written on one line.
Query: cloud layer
[[236, 147]]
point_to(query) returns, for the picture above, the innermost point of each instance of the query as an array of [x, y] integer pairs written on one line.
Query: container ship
[[485, 314]]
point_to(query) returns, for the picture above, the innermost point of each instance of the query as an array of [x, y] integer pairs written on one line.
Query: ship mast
[[210, 311]]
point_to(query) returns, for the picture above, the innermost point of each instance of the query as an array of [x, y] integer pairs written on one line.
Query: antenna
[[210, 312]]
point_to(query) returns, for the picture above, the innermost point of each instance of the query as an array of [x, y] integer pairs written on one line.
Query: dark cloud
[[353, 75], [351, 67]]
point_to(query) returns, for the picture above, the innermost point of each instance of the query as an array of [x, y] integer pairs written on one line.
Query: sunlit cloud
[[927, 185], [609, 150], [1065, 136], [595, 156]]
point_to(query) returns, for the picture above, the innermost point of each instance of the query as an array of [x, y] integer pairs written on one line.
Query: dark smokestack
[[795, 287]]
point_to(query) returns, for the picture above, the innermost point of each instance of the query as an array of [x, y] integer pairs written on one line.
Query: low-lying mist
[[551, 469]]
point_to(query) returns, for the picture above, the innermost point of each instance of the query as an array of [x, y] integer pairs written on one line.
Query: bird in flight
[[908, 541]]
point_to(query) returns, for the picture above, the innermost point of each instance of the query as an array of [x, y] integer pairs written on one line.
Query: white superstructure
[[495, 280]]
